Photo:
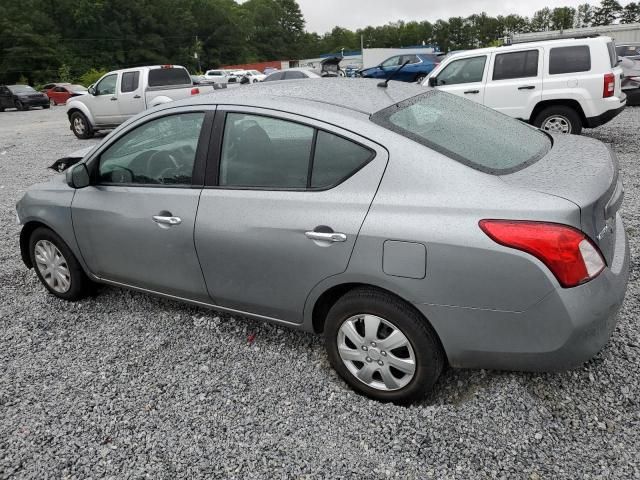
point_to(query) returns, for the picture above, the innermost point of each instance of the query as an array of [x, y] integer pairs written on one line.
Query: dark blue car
[[419, 66]]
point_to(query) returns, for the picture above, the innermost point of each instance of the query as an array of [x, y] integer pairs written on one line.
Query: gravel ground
[[125, 385]]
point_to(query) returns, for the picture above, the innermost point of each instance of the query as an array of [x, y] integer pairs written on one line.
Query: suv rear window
[[516, 65], [164, 77], [465, 131], [613, 56], [569, 60]]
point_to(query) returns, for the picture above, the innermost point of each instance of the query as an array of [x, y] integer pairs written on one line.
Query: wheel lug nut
[[369, 359], [364, 347], [380, 362], [373, 344], [384, 354]]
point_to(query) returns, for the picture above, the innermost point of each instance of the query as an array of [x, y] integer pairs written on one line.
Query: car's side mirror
[[433, 82], [78, 176], [92, 90]]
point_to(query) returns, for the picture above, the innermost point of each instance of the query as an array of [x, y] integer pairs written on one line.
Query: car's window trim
[[199, 162], [383, 116], [212, 177]]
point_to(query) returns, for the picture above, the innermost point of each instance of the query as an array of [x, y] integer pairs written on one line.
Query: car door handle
[[528, 87], [471, 91], [326, 237], [171, 221], [137, 96], [113, 99]]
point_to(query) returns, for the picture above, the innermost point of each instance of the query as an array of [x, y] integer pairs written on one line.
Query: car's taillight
[[195, 91], [566, 251], [609, 85]]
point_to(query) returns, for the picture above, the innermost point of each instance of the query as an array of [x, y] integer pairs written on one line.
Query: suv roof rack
[[541, 38]]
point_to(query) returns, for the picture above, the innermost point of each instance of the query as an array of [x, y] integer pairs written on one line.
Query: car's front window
[[161, 151], [465, 131], [465, 70], [107, 86]]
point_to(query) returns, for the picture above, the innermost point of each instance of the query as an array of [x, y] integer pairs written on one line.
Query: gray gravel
[[125, 385]]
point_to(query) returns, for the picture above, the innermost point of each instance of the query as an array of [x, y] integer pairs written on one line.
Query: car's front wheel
[[420, 78], [382, 347], [56, 266], [80, 126], [20, 106], [559, 119]]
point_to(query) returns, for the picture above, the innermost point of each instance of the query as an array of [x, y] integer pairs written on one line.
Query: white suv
[[557, 85]]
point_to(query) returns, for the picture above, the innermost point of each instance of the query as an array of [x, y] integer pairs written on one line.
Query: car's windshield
[[466, 131], [21, 89]]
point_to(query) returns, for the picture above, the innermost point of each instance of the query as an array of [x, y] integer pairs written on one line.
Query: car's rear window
[[465, 131], [164, 77], [569, 59]]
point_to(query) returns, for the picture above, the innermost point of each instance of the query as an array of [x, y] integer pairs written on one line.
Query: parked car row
[[21, 97]]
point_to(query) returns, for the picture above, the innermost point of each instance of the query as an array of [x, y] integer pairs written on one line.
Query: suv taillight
[[566, 251], [609, 85], [195, 91]]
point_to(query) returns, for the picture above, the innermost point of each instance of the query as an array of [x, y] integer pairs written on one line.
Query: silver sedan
[[414, 229]]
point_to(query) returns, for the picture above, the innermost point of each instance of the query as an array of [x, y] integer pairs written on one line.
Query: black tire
[[46, 106], [80, 126], [420, 78], [563, 114], [20, 106], [429, 355], [80, 285]]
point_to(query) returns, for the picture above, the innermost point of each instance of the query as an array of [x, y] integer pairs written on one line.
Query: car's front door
[[285, 205], [134, 224], [387, 67], [464, 77], [104, 103]]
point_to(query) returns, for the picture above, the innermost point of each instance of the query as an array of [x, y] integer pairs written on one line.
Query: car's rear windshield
[[21, 89], [168, 76], [465, 131]]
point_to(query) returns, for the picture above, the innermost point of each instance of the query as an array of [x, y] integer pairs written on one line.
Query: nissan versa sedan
[[413, 228]]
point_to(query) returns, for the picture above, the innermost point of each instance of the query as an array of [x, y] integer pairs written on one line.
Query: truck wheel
[[80, 126], [559, 119]]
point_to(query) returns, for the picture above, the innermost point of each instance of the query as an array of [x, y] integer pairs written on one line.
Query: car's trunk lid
[[585, 172]]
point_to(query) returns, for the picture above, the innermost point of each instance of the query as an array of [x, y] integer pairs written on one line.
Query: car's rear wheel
[[80, 126], [56, 266], [46, 106], [20, 106], [420, 78], [382, 347], [559, 119], [52, 102]]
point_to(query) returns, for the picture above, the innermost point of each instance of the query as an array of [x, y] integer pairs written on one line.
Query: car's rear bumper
[[35, 102], [563, 330], [593, 122]]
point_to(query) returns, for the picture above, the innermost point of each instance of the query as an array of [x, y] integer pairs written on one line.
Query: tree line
[[77, 40]]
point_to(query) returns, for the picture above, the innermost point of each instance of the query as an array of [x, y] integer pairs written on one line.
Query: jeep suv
[[557, 85]]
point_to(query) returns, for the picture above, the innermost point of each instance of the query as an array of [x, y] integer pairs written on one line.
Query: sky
[[323, 15]]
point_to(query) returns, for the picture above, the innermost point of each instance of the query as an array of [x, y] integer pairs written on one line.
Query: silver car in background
[[413, 229]]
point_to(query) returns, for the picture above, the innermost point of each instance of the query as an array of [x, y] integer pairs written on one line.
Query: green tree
[[584, 16], [631, 13], [562, 18], [607, 13], [541, 20]]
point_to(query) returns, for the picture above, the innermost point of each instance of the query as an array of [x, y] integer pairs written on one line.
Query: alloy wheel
[[79, 126], [52, 266], [376, 352], [557, 124]]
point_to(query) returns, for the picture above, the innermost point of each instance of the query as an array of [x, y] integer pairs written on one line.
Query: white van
[[558, 85]]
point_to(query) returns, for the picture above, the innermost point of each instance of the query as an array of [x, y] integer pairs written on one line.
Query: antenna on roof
[[385, 84]]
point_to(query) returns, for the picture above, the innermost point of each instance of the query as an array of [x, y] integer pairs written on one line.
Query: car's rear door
[[284, 202], [131, 99], [134, 224], [514, 83]]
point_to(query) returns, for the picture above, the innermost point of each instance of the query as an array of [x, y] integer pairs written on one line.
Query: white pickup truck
[[121, 94]]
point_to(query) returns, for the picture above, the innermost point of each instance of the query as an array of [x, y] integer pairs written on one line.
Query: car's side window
[[335, 159], [391, 62], [516, 65], [465, 70], [107, 86], [410, 58], [275, 77], [262, 151], [130, 81], [569, 59], [159, 152]]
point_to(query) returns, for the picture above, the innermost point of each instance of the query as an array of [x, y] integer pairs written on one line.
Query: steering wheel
[[160, 163]]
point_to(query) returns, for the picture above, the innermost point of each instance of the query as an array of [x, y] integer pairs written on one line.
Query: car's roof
[[355, 94], [533, 44]]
